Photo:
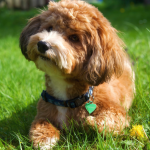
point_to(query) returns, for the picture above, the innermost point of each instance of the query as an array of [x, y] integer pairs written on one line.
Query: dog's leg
[[111, 120], [43, 134]]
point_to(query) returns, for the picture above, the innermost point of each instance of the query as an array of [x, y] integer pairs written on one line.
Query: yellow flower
[[138, 131], [122, 10]]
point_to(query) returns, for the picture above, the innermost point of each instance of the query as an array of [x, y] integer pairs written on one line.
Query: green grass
[[21, 83]]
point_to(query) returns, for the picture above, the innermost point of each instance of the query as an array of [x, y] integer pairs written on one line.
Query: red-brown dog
[[88, 75]]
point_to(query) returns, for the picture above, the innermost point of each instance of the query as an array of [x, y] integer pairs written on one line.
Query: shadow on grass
[[15, 130], [19, 123]]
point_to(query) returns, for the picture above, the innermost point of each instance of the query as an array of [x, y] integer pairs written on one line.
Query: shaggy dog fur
[[83, 50]]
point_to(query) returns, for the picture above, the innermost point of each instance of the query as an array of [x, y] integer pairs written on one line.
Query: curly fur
[[97, 58]]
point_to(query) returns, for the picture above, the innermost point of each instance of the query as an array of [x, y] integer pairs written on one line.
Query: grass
[[21, 83]]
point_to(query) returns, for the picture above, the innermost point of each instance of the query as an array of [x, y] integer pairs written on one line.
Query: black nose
[[43, 46]]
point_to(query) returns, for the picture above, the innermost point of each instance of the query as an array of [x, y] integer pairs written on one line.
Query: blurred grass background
[[21, 83]]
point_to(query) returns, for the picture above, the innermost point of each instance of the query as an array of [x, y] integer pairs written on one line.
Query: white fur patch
[[61, 118], [48, 144], [59, 87], [58, 52]]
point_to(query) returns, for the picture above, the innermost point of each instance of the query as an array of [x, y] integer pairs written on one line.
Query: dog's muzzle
[[43, 46]]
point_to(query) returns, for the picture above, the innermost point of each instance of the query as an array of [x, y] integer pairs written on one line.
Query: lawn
[[21, 83]]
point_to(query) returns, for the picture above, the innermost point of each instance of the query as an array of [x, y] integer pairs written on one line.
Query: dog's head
[[75, 39]]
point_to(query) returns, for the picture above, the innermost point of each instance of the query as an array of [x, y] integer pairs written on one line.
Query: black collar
[[72, 103]]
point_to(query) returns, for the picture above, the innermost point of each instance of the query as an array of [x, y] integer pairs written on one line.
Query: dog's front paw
[[44, 135], [91, 120], [109, 121], [47, 143]]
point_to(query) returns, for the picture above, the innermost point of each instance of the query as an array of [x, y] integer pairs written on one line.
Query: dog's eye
[[74, 38], [50, 28]]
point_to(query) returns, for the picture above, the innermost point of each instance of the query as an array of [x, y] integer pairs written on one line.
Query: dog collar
[[72, 103]]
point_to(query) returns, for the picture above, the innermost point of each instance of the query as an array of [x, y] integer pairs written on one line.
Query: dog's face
[[74, 39]]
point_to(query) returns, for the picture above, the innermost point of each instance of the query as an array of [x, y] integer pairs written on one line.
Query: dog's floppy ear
[[107, 55], [30, 29]]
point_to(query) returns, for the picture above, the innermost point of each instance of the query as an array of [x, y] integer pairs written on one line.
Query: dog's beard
[[58, 56]]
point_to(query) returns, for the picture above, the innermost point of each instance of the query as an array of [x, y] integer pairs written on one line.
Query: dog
[[88, 75]]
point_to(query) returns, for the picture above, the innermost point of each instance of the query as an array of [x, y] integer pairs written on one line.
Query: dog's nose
[[43, 46]]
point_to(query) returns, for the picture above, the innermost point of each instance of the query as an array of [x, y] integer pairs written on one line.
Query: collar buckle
[[75, 102]]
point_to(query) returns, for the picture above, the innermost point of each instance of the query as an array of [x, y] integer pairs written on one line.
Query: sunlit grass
[[21, 83]]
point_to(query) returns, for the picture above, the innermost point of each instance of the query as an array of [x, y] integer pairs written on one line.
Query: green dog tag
[[90, 107]]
